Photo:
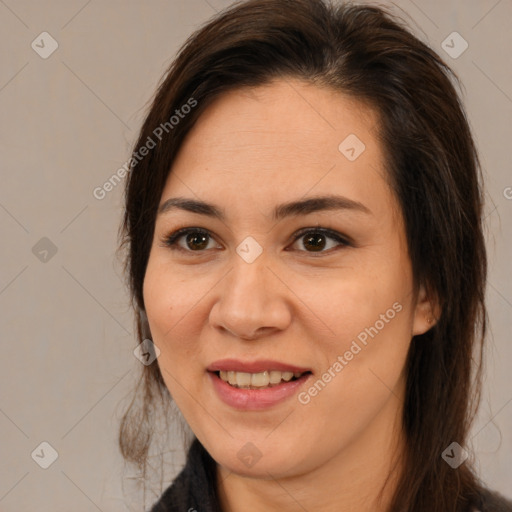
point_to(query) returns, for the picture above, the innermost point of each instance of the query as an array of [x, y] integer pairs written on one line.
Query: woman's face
[[267, 291]]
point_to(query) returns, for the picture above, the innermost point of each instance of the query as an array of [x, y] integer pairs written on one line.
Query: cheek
[[359, 302], [169, 298], [169, 302], [169, 309], [369, 315], [358, 379], [371, 344]]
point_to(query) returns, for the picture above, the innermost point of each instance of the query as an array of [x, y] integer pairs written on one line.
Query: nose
[[252, 302]]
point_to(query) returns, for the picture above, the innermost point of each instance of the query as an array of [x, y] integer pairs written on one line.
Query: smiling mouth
[[260, 380]]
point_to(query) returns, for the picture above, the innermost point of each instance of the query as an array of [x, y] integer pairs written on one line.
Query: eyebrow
[[290, 209]]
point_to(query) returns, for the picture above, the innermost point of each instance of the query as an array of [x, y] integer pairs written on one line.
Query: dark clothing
[[194, 489]]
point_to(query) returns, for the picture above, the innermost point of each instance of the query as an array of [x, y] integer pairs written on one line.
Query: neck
[[362, 477]]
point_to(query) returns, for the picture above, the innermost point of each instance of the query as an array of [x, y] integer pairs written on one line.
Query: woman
[[305, 251]]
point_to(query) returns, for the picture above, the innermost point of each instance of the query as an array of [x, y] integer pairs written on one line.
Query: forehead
[[280, 141]]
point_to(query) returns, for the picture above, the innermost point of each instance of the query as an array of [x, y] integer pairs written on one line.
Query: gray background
[[67, 124]]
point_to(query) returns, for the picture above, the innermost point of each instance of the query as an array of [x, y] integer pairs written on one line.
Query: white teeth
[[287, 376], [260, 380], [275, 377], [257, 380], [243, 379]]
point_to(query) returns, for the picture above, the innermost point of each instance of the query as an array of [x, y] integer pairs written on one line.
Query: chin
[[257, 459]]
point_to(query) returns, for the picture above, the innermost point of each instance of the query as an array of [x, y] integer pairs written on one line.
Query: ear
[[426, 313]]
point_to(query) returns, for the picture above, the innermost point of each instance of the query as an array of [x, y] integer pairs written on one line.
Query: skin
[[251, 150]]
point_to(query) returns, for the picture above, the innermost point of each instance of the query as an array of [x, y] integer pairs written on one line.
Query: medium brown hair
[[432, 165]]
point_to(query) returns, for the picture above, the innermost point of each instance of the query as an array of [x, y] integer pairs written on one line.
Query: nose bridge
[[250, 300], [249, 266], [248, 279]]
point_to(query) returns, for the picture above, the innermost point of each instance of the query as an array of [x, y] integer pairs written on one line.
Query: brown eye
[[316, 240], [196, 240]]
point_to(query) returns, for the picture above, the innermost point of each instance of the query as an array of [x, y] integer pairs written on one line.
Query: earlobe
[[426, 313]]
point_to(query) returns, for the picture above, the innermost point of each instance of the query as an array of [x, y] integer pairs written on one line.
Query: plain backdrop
[[67, 124]]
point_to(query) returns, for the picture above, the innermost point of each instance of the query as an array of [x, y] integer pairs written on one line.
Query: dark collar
[[194, 489]]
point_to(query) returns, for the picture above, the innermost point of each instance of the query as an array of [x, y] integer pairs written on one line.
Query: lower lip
[[255, 399]]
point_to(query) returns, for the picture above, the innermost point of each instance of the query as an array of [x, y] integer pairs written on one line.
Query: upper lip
[[254, 366]]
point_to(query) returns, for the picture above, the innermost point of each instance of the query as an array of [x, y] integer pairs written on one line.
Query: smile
[[256, 398], [267, 378]]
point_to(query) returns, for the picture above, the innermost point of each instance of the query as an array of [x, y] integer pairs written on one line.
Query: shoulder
[[492, 501]]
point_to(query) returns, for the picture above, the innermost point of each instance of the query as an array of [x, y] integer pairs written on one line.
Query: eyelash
[[171, 240]]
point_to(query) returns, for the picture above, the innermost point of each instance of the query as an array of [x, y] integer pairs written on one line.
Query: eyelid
[[171, 240], [330, 233]]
